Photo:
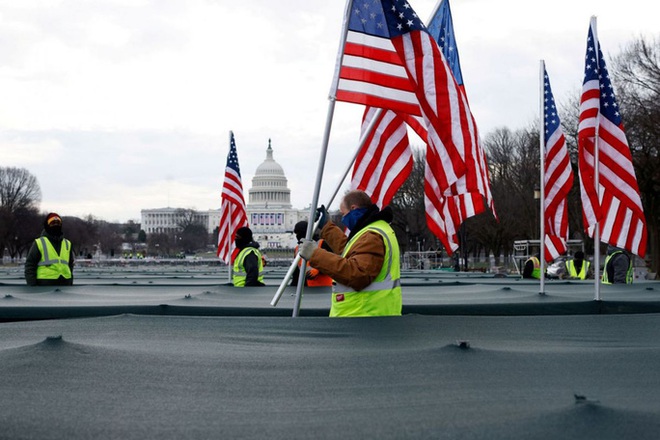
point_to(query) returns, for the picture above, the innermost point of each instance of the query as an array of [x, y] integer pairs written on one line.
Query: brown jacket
[[363, 262]]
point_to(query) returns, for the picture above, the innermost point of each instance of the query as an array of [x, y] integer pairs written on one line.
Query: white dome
[[269, 185], [269, 167]]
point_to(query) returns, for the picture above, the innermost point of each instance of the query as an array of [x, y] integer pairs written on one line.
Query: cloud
[[135, 98]]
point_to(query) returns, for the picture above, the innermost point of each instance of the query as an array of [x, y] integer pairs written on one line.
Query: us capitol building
[[269, 210]]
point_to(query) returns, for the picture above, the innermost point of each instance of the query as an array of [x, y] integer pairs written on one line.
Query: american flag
[[558, 177], [232, 211], [446, 205], [471, 194], [615, 205], [385, 161], [390, 61]]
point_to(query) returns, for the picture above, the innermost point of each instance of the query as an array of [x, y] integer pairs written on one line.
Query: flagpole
[[315, 200], [229, 249], [542, 174], [324, 151], [435, 8], [596, 180]]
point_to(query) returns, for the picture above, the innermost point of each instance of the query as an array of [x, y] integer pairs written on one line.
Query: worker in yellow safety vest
[[364, 264], [532, 268], [248, 264], [618, 267], [578, 267], [49, 261]]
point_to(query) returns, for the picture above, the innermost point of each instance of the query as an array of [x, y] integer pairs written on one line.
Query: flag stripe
[[385, 161], [372, 74]]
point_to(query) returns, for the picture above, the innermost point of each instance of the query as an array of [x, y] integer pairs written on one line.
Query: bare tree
[[20, 195], [159, 244], [83, 234], [513, 158], [636, 72], [192, 233], [18, 189]]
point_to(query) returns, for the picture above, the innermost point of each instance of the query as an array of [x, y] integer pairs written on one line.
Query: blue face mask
[[351, 219]]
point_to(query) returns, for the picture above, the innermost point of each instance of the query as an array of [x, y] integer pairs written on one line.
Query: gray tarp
[[199, 377]]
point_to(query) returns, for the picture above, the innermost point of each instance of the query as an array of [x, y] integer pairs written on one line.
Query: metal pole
[[596, 183], [229, 250], [542, 173], [229, 266]]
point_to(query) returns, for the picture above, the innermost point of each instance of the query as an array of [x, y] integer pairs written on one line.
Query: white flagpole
[[229, 232], [435, 8], [324, 151], [229, 268], [596, 182], [542, 173]]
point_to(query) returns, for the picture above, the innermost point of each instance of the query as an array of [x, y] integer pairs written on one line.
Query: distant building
[[167, 220], [269, 209]]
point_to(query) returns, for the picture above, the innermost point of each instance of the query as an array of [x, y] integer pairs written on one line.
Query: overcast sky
[[121, 105]]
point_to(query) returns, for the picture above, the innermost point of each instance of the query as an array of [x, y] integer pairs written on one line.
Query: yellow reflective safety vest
[[629, 273], [536, 273], [572, 272], [383, 296], [52, 265], [239, 274]]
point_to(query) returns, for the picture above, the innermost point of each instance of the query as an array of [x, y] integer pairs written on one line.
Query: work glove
[[321, 216], [312, 273], [307, 248]]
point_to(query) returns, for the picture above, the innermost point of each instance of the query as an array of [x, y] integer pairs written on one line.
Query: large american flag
[[447, 204], [471, 194], [232, 211], [558, 176], [615, 204], [390, 61]]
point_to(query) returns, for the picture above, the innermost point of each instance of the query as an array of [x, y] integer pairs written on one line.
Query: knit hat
[[300, 229], [244, 234], [53, 219]]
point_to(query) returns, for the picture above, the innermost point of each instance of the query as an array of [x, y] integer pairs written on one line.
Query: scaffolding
[[523, 249]]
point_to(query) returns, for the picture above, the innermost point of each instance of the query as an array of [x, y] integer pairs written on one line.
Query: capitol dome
[[269, 185]]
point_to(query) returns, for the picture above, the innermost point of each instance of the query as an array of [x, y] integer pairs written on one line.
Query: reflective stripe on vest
[[383, 296], [239, 274], [53, 265]]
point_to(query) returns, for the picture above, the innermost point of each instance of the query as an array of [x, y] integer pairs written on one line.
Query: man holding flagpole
[[366, 267]]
